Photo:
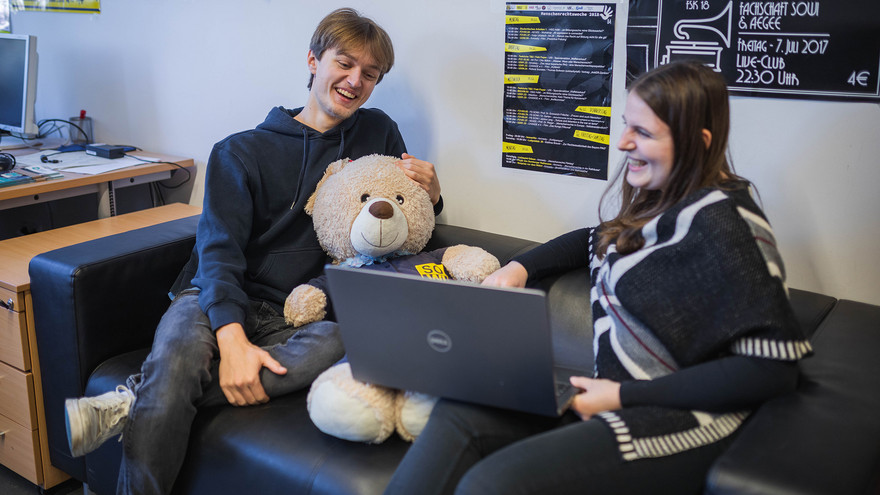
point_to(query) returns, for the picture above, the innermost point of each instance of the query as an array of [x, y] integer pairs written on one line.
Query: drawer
[[14, 349], [17, 299], [19, 449], [16, 396]]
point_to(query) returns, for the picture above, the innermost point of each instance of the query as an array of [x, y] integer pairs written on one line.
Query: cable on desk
[[45, 157], [58, 128], [111, 196], [181, 167], [41, 134]]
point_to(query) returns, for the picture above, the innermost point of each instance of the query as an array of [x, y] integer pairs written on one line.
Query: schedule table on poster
[[560, 59]]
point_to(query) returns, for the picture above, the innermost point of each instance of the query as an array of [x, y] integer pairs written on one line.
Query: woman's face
[[647, 141]]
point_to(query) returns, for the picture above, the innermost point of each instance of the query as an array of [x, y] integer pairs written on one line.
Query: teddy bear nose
[[381, 210]]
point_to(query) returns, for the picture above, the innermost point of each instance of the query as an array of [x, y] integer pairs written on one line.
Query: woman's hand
[[598, 395], [512, 274]]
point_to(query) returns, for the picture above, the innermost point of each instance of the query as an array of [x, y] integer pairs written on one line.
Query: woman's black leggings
[[469, 449]]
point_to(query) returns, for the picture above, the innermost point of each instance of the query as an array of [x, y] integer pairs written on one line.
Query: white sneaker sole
[[74, 426]]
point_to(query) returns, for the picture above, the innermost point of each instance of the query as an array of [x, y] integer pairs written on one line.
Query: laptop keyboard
[[563, 388]]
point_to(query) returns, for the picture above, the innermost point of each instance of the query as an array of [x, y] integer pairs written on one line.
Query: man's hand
[[423, 173], [598, 395], [240, 365]]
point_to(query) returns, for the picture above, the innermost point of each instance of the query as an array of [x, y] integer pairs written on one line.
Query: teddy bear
[[367, 213]]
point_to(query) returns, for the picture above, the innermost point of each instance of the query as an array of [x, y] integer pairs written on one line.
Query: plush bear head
[[369, 209]]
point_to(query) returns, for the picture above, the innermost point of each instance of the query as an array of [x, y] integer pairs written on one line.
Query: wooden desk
[[102, 184], [23, 444]]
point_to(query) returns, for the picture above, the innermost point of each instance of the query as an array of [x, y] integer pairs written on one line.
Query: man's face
[[344, 80]]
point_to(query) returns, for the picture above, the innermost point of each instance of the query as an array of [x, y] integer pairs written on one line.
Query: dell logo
[[439, 341]]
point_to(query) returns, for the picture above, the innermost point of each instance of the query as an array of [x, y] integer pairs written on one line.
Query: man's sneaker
[[91, 421]]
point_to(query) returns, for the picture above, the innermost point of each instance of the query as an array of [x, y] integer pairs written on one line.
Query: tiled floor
[[13, 484]]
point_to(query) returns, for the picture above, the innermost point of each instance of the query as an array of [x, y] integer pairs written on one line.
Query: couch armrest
[[825, 438], [810, 309], [95, 300], [501, 246]]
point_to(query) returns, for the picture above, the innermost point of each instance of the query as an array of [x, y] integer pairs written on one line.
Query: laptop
[[458, 340]]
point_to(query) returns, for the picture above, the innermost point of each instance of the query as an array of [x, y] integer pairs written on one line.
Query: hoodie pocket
[[284, 270]]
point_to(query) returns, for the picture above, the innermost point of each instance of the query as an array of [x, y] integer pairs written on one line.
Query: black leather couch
[[97, 304]]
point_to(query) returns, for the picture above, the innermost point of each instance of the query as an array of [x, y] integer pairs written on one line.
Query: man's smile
[[346, 93]]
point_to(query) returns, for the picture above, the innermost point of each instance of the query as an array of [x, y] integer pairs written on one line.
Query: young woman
[[692, 323]]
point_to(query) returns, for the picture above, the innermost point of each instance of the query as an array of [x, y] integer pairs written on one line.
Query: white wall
[[177, 76]]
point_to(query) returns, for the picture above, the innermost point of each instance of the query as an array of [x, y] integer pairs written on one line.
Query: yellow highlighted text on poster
[[521, 19], [73, 6], [525, 79], [603, 111], [514, 48], [593, 136], [516, 148]]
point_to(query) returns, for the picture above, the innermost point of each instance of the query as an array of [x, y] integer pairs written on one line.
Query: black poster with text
[[817, 49], [558, 61]]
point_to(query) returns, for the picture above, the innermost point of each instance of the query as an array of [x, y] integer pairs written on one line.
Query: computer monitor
[[18, 83]]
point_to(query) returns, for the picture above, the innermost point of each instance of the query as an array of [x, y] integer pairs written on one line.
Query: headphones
[[7, 162]]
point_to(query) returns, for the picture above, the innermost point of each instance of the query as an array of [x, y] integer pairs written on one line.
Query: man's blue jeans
[[180, 375]]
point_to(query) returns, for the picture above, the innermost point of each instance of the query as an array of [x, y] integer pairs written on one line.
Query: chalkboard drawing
[[709, 52]]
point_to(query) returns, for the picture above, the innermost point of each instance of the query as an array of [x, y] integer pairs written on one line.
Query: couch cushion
[[804, 443], [275, 448], [270, 448]]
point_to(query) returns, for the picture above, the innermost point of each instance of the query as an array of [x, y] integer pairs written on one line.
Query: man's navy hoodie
[[254, 241]]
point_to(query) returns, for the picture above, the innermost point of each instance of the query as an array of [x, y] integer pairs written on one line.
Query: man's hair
[[346, 29]]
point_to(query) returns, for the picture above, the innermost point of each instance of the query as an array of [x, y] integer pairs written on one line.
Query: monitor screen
[[18, 83]]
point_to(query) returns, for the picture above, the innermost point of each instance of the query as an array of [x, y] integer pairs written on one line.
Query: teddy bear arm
[[469, 263], [305, 304]]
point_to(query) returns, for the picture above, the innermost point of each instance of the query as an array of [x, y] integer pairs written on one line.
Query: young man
[[224, 339]]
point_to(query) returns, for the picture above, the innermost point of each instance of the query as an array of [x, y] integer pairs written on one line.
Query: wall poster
[[74, 6], [559, 62], [4, 17], [807, 49]]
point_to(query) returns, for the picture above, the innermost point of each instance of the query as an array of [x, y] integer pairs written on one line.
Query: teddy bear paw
[[305, 304], [412, 410], [469, 263], [345, 408]]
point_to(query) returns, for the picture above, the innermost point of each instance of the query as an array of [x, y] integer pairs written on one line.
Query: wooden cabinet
[[23, 442]]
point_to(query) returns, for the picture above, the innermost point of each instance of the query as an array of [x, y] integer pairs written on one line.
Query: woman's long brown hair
[[688, 97]]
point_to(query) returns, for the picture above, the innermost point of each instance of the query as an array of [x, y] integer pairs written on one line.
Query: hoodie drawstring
[[341, 144], [305, 160], [302, 171]]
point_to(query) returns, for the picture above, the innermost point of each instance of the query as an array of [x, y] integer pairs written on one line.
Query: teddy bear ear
[[331, 169]]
